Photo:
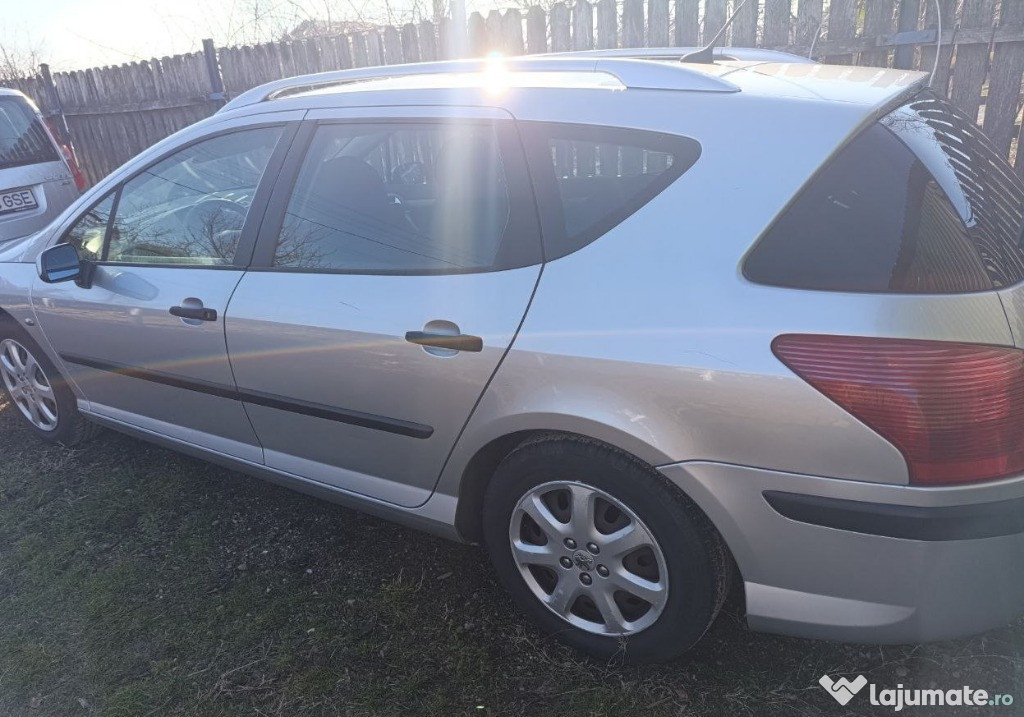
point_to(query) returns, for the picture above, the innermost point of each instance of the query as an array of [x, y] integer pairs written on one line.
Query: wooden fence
[[112, 113]]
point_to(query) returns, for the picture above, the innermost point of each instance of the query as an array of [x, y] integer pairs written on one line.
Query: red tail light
[[69, 154], [76, 171], [955, 411]]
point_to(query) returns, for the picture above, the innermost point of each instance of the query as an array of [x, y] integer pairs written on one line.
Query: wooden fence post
[[54, 107], [687, 31], [476, 31], [842, 26], [607, 25], [494, 28], [808, 22], [940, 83], [744, 27], [909, 10], [392, 46], [213, 71], [714, 18], [582, 25], [1004, 81], [971, 60], [657, 23], [560, 34], [537, 31], [633, 23], [878, 20], [457, 31], [428, 41], [512, 30], [776, 23]]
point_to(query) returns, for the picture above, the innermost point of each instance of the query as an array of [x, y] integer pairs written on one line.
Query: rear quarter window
[[590, 179]]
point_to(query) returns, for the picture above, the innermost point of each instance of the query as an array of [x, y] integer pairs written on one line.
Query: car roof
[[756, 72]]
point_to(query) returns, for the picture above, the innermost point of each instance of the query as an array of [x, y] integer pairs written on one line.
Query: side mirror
[[61, 263]]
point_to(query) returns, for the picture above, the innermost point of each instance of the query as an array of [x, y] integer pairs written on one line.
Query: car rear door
[[396, 263], [145, 342], [35, 183]]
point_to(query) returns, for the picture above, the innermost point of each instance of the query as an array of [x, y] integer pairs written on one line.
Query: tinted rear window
[[920, 202], [23, 140]]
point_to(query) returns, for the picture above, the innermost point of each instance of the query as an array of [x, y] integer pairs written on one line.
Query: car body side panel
[[339, 340], [122, 324], [651, 339], [51, 185], [16, 281]]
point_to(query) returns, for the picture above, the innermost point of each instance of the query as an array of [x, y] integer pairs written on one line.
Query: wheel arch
[[482, 448], [481, 466]]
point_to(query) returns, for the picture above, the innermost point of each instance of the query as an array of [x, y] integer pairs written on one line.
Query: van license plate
[[17, 200]]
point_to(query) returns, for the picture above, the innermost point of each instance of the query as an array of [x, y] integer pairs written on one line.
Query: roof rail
[[742, 54], [631, 72]]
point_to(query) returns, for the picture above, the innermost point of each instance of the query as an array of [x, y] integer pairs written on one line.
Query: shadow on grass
[[136, 581]]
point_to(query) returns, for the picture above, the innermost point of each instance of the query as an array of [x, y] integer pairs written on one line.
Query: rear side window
[[920, 202], [415, 197], [590, 179], [23, 140]]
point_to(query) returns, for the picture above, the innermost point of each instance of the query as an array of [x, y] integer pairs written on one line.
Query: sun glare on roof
[[495, 75]]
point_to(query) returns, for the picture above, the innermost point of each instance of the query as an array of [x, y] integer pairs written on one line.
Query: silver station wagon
[[641, 327]]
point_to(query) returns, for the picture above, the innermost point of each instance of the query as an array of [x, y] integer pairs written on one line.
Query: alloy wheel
[[28, 385], [589, 558]]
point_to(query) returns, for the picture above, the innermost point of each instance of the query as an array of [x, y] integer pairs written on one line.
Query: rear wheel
[[37, 392], [600, 550]]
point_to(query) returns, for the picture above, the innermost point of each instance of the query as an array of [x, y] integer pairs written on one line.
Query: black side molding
[[931, 523], [305, 408]]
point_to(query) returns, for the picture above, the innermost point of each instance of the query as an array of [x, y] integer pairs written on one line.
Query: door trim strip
[[259, 398]]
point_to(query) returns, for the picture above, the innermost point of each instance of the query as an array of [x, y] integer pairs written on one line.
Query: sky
[[76, 34]]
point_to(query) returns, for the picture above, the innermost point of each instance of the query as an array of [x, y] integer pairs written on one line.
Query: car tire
[[691, 568], [60, 421]]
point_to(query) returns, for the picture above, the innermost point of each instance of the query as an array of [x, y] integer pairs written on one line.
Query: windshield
[[23, 140]]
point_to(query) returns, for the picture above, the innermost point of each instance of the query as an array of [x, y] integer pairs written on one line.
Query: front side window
[[89, 232], [401, 198], [187, 209], [593, 178]]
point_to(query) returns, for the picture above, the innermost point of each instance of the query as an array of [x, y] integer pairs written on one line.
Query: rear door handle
[[198, 313], [458, 342]]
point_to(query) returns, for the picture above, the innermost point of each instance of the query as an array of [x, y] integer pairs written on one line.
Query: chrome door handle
[[457, 342]]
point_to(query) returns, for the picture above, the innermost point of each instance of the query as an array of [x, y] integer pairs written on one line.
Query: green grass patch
[[134, 581]]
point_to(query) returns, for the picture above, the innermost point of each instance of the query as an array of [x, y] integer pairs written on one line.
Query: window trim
[[537, 135], [523, 228], [250, 229]]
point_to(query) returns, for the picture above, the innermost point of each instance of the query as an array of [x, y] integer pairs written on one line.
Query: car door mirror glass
[[60, 263]]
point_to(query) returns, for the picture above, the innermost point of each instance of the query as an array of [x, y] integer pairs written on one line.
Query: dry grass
[[137, 582]]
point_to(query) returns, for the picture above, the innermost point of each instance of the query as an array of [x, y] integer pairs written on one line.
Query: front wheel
[[600, 550], [36, 390]]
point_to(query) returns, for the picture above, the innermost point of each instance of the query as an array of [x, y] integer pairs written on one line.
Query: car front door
[[394, 268], [145, 342]]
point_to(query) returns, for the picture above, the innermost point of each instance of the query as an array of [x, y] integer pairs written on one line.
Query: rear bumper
[[863, 562]]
